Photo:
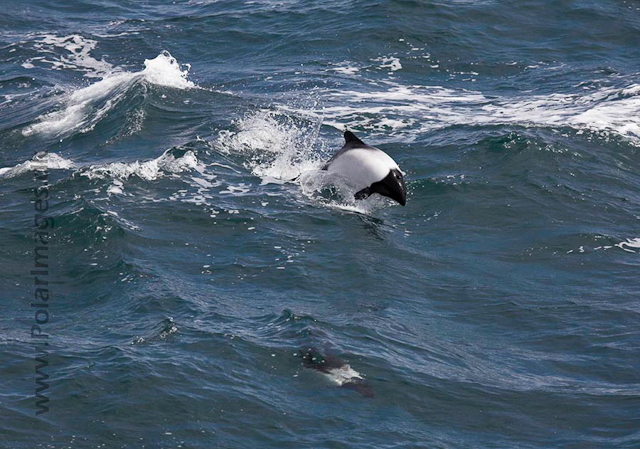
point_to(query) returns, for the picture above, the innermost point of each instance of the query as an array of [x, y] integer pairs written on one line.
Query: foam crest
[[164, 70], [84, 108], [149, 170], [345, 68], [41, 161]]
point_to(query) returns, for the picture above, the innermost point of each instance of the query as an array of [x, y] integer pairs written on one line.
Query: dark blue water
[[186, 275]]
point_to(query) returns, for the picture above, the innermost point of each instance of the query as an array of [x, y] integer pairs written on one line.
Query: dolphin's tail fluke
[[361, 387]]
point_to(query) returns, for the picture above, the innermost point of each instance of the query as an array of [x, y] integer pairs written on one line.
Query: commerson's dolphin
[[369, 169], [336, 370]]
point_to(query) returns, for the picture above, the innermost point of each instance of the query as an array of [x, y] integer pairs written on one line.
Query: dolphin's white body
[[362, 166], [368, 169]]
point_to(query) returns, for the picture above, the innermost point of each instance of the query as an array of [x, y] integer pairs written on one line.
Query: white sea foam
[[606, 109], [417, 109], [76, 54], [345, 69], [149, 170], [118, 172], [116, 187], [400, 108], [49, 161], [276, 145], [389, 62], [629, 243], [82, 109], [164, 70]]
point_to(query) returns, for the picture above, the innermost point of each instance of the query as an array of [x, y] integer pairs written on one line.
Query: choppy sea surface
[[500, 308]]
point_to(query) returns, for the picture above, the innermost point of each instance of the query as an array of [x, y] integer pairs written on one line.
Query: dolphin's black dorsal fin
[[349, 137]]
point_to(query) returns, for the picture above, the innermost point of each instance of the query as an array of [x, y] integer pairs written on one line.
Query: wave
[[84, 108], [171, 161], [40, 161]]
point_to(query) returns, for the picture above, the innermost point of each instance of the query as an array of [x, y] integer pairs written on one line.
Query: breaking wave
[[170, 162], [81, 110], [49, 161]]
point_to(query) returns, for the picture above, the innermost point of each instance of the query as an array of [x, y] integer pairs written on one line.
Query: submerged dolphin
[[369, 169], [336, 370]]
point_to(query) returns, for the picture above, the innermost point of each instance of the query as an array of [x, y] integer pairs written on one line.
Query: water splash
[[277, 145]]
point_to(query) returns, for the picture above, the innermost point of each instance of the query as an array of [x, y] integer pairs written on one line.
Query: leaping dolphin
[[369, 169]]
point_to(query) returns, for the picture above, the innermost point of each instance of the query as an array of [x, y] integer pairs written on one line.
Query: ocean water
[[186, 274]]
